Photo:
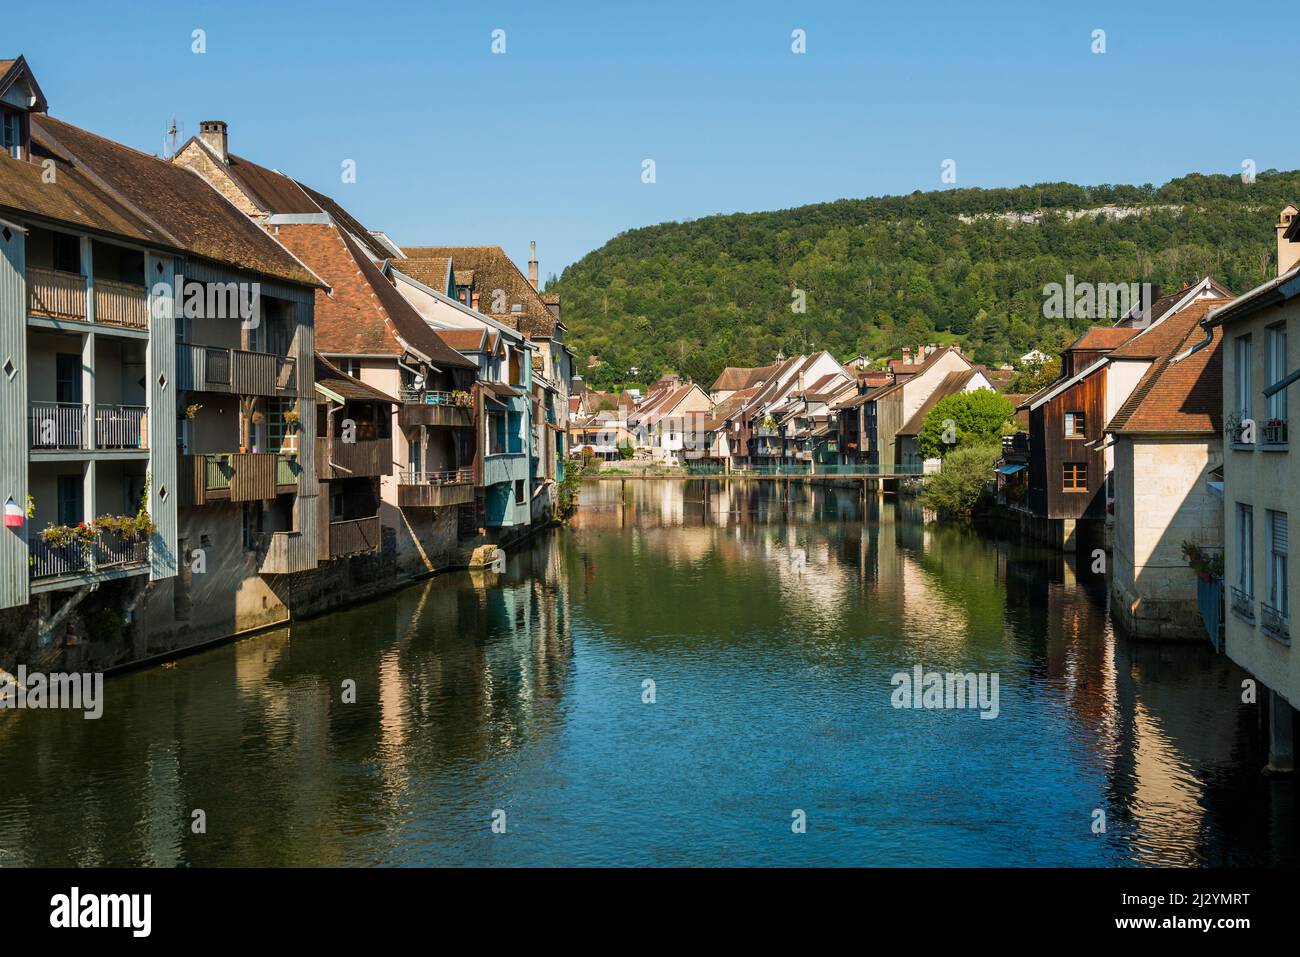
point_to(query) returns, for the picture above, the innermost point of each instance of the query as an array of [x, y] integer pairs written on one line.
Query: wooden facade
[[1052, 451]]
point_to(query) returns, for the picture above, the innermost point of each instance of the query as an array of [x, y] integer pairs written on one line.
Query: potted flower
[[460, 398], [291, 421]]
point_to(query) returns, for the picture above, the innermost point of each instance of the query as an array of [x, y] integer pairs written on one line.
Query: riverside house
[[1261, 485], [120, 397]]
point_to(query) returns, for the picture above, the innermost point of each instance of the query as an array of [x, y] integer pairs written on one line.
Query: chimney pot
[[214, 135]]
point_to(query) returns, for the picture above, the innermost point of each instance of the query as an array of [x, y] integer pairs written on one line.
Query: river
[[690, 674]]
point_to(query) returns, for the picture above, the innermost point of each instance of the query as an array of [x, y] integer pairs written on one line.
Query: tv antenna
[[170, 139]]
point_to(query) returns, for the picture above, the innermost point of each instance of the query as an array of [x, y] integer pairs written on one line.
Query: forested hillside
[[881, 273]]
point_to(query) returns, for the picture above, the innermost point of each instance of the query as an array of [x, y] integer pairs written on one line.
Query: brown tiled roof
[[465, 340], [364, 315], [1162, 338], [272, 191], [105, 186], [339, 382], [1103, 337], [432, 272], [464, 277], [493, 270], [916, 370], [1178, 397]]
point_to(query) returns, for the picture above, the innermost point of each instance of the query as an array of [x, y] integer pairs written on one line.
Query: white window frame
[[1275, 359], [1277, 561], [1246, 549], [1242, 361]]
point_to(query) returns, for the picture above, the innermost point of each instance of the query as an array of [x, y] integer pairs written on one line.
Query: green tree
[[1034, 375], [958, 487], [965, 418]]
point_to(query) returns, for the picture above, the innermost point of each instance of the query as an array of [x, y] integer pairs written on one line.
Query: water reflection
[[768, 616]]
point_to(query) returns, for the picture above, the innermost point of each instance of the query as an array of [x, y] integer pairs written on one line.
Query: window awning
[[1008, 469]]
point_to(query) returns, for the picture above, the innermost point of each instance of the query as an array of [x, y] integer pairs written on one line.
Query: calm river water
[[770, 622]]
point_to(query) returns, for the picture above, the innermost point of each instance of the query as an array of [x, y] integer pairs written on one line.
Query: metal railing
[[1275, 432], [447, 477], [56, 294], [57, 425], [1243, 604], [459, 400], [1275, 622], [1236, 432], [121, 427], [106, 551]]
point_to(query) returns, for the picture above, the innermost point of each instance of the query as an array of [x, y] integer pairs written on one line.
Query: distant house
[[669, 421], [965, 380], [734, 378]]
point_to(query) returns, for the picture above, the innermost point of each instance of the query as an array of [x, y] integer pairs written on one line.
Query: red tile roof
[[494, 270], [1103, 338], [1163, 338], [1177, 397]]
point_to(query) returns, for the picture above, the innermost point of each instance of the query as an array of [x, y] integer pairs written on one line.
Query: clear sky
[[456, 145]]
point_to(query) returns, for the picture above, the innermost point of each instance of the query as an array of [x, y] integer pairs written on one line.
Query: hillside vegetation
[[878, 274]]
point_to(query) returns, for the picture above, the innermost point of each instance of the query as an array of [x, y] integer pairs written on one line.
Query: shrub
[[964, 479], [976, 417]]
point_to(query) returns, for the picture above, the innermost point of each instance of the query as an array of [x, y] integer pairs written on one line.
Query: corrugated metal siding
[[14, 584], [164, 487]]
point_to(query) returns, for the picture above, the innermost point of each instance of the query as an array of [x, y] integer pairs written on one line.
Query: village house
[[909, 450], [668, 422], [159, 362], [1261, 485]]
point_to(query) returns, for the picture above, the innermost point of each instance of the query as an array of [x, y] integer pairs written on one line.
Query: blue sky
[[456, 145]]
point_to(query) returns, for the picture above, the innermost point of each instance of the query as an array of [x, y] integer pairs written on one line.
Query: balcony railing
[[285, 553], [286, 469], [354, 536], [121, 427], [107, 551], [216, 365], [235, 371], [1236, 433], [1275, 622], [121, 304], [446, 477], [57, 425], [222, 476], [435, 489], [55, 294], [1243, 605], [365, 457], [1274, 432]]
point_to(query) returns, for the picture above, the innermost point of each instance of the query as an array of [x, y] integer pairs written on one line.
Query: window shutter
[[1279, 530]]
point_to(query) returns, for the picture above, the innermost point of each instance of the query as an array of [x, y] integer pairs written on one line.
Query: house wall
[[1162, 499], [1263, 480]]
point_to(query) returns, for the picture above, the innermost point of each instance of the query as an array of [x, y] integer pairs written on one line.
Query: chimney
[[1288, 252], [213, 135], [532, 265], [907, 355], [474, 302]]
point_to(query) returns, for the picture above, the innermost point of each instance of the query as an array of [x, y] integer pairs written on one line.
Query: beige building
[[1261, 486]]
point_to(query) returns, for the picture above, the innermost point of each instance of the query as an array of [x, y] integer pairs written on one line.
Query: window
[[1246, 549], [336, 506], [252, 525], [351, 366], [1276, 370], [67, 377], [1076, 477], [1242, 367], [71, 510], [280, 436], [496, 433], [67, 253], [1075, 424], [11, 133], [515, 432], [519, 491], [1277, 549]]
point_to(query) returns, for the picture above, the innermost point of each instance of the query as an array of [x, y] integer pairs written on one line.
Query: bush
[[964, 479], [977, 417]]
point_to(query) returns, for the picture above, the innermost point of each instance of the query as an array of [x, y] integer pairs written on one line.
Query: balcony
[[232, 477], [1274, 434], [234, 371], [435, 489], [287, 471], [107, 552], [338, 459], [421, 407], [54, 294], [354, 536], [1243, 605], [285, 553], [62, 426], [1275, 623]]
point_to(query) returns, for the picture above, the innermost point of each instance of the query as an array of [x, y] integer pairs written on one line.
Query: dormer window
[[12, 128]]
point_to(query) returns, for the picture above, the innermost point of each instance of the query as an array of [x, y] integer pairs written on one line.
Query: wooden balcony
[[336, 459], [285, 553], [354, 536], [55, 294], [227, 477], [108, 551], [435, 489], [234, 371], [121, 304], [450, 409]]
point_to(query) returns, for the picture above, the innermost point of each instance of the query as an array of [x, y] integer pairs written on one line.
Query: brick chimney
[[1288, 252], [213, 135], [532, 265]]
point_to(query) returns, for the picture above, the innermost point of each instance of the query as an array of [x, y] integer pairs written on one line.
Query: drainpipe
[[1281, 384]]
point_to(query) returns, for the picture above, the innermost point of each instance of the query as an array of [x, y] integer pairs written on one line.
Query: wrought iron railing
[[1275, 622], [1243, 604], [1275, 432], [106, 550], [447, 477]]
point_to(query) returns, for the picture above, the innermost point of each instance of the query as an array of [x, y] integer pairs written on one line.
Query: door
[[71, 509]]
